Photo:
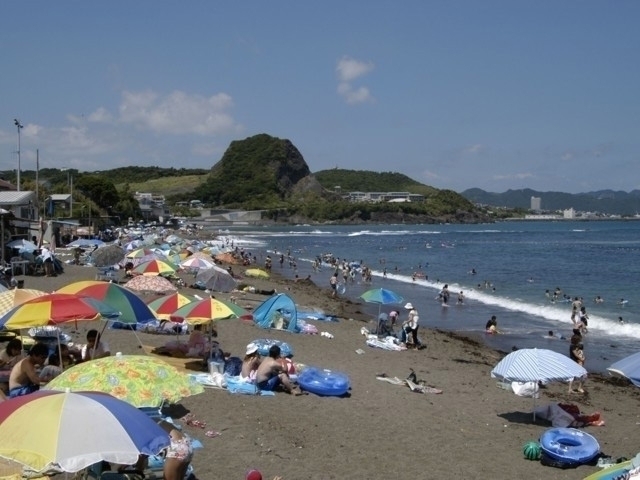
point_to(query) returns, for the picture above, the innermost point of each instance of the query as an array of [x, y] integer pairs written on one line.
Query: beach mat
[[188, 365]]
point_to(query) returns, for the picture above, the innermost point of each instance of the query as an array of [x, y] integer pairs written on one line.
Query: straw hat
[[251, 348], [409, 306]]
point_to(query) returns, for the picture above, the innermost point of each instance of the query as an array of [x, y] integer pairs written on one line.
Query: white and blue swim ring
[[569, 445], [326, 383]]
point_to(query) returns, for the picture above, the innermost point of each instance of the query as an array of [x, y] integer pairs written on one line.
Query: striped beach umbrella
[[56, 308], [537, 365], [131, 307], [166, 305], [71, 431], [208, 309], [155, 267], [12, 298]]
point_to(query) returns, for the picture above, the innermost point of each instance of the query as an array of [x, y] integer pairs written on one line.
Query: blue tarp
[[278, 311]]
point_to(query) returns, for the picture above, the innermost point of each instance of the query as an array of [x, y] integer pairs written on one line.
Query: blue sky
[[455, 94]]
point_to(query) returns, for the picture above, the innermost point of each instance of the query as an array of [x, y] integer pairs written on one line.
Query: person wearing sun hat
[[411, 325], [250, 363]]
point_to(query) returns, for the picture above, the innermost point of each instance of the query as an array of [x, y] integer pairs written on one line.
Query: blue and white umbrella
[[537, 365], [628, 367]]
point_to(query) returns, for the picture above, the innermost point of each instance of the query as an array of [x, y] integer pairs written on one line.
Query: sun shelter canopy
[[278, 311]]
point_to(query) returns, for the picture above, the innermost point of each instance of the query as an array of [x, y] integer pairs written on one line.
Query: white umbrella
[[628, 367], [537, 365]]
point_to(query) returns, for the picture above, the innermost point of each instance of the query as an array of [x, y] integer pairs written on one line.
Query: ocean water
[[515, 263]]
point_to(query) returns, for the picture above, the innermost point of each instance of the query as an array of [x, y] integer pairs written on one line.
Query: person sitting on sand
[[271, 373], [52, 369], [250, 363], [95, 348], [196, 347], [24, 379], [491, 326], [11, 354]]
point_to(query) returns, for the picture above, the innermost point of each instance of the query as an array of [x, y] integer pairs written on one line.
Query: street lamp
[[19, 126]]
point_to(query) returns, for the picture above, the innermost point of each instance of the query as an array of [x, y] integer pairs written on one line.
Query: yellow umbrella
[[256, 273]]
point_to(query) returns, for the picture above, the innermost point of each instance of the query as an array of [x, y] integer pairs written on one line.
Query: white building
[[536, 203]]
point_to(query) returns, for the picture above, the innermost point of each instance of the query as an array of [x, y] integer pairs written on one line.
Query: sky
[[487, 94]]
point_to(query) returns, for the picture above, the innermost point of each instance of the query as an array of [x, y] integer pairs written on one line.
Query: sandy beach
[[472, 430]]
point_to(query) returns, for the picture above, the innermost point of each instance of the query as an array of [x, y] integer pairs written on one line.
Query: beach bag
[[233, 366]]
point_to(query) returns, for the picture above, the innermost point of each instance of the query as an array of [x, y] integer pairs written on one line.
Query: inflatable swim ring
[[569, 445], [326, 383], [264, 344]]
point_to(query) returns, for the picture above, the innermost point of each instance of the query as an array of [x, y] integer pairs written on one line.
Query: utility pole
[[19, 126]]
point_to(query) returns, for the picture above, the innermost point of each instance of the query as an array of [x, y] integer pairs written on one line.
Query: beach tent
[[278, 311]]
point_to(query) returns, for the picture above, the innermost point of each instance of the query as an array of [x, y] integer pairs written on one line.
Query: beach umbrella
[[56, 308], [141, 252], [196, 263], [12, 298], [628, 367], [256, 273], [150, 284], [155, 267], [71, 431], [22, 245], [167, 304], [537, 365], [85, 242], [140, 380], [227, 257], [381, 296], [107, 256], [216, 278], [207, 309], [131, 307]]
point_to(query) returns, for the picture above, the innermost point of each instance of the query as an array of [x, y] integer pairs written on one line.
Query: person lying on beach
[[24, 378], [196, 347], [271, 374]]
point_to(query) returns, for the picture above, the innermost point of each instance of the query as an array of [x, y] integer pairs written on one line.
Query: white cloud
[[101, 115], [349, 69], [477, 148], [352, 96], [178, 113]]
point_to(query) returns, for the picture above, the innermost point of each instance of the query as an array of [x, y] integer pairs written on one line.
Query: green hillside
[[367, 181]]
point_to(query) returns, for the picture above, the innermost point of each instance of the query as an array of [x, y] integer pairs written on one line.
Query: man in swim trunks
[[24, 379], [271, 373]]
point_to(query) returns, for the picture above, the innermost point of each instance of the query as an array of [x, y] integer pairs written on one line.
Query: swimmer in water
[[620, 321], [492, 325]]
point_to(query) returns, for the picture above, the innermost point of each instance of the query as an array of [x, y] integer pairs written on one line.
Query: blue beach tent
[[278, 311]]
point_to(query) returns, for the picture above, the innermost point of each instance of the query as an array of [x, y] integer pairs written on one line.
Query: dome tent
[[278, 311]]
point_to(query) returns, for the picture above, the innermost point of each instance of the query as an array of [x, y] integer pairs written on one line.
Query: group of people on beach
[[27, 373], [269, 373]]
